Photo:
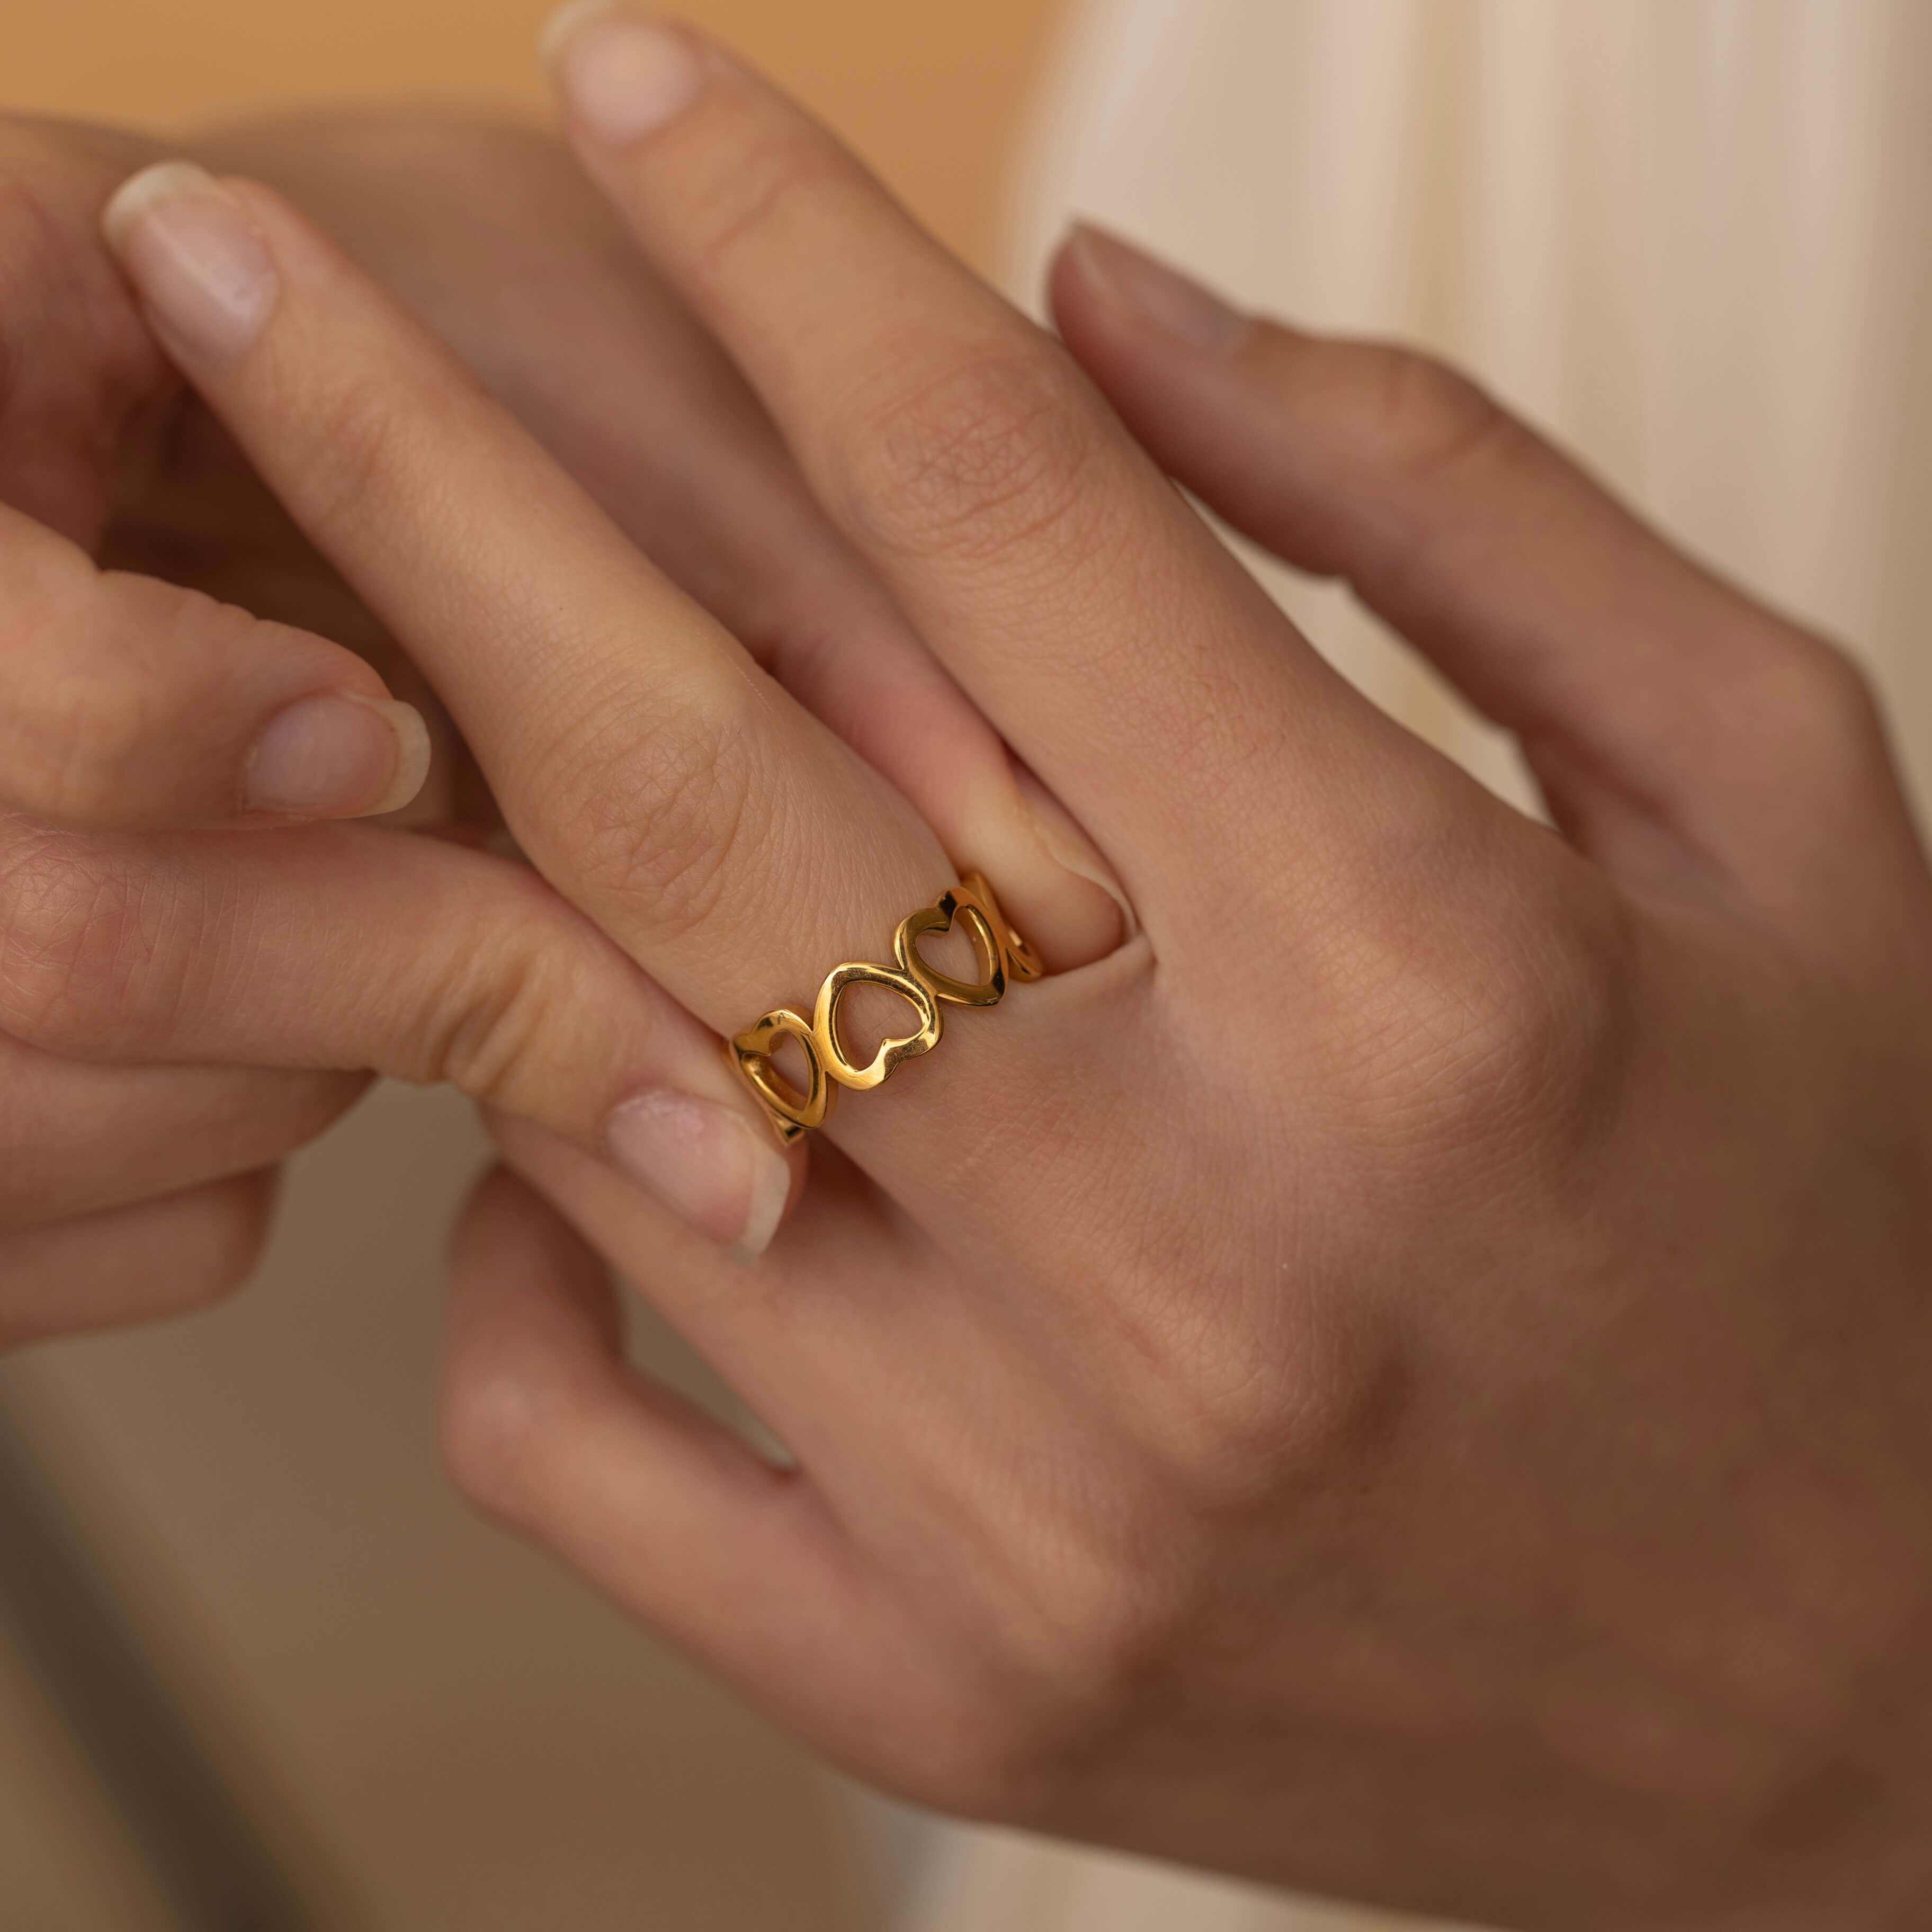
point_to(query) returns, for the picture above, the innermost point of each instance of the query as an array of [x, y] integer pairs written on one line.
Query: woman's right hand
[[491, 234], [129, 1189], [198, 970]]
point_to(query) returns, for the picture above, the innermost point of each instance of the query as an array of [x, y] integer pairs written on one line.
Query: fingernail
[[622, 76], [338, 756], [206, 281], [1170, 301], [707, 1164]]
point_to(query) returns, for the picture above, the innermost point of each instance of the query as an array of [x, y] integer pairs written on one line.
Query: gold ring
[[1004, 957]]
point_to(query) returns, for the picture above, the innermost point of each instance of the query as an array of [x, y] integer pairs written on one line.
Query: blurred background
[[258, 1669], [933, 95]]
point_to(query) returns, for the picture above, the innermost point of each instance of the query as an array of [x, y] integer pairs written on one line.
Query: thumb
[[352, 948]]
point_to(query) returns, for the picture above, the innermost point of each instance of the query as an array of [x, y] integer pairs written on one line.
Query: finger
[[546, 1426], [1083, 606], [722, 834], [844, 1308], [78, 1138], [80, 373], [614, 375], [790, 1333], [132, 703], [1647, 692], [127, 702], [139, 1264], [351, 948]]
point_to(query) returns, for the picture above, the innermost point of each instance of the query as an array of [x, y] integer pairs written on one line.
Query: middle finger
[[1093, 617]]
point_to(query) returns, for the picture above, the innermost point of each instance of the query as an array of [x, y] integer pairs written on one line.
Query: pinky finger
[[547, 1427], [143, 1263]]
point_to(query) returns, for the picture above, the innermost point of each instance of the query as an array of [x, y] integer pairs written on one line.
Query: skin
[[141, 1115], [124, 1192], [1404, 1377]]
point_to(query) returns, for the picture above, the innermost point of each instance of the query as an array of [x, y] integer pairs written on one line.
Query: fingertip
[[1067, 272], [136, 196], [1125, 281], [563, 27], [622, 74], [338, 755], [772, 1193], [413, 753], [186, 244]]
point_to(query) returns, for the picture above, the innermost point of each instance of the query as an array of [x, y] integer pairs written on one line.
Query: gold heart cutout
[[792, 1112], [892, 1050], [990, 989], [1022, 962]]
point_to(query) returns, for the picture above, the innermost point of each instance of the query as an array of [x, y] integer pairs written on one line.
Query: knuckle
[[772, 179], [1073, 1668], [663, 799], [1492, 1039], [1242, 1371], [71, 939], [1258, 1405], [1095, 1638], [488, 1039], [1427, 424], [361, 433], [1086, 1630], [92, 743], [993, 451], [497, 1012], [71, 732], [1074, 1610]]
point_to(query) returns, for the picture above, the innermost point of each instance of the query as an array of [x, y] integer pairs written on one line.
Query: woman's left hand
[[1408, 1377]]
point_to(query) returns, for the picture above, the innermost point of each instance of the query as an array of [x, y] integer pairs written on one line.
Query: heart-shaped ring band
[[1004, 957]]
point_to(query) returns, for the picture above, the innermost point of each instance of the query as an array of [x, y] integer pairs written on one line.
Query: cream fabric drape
[[1688, 236]]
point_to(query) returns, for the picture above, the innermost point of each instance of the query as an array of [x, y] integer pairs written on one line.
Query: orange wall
[[930, 91]]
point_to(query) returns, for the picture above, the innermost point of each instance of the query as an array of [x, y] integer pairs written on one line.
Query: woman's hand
[[491, 234], [133, 1190], [1407, 1377], [196, 968]]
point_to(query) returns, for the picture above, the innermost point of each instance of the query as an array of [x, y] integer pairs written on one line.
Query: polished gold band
[[1003, 956]]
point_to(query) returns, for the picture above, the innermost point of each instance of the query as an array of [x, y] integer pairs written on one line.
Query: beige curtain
[[1688, 236]]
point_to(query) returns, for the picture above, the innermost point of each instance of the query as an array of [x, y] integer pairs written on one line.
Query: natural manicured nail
[[622, 76], [706, 1163], [338, 756], [1172, 302], [207, 281]]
